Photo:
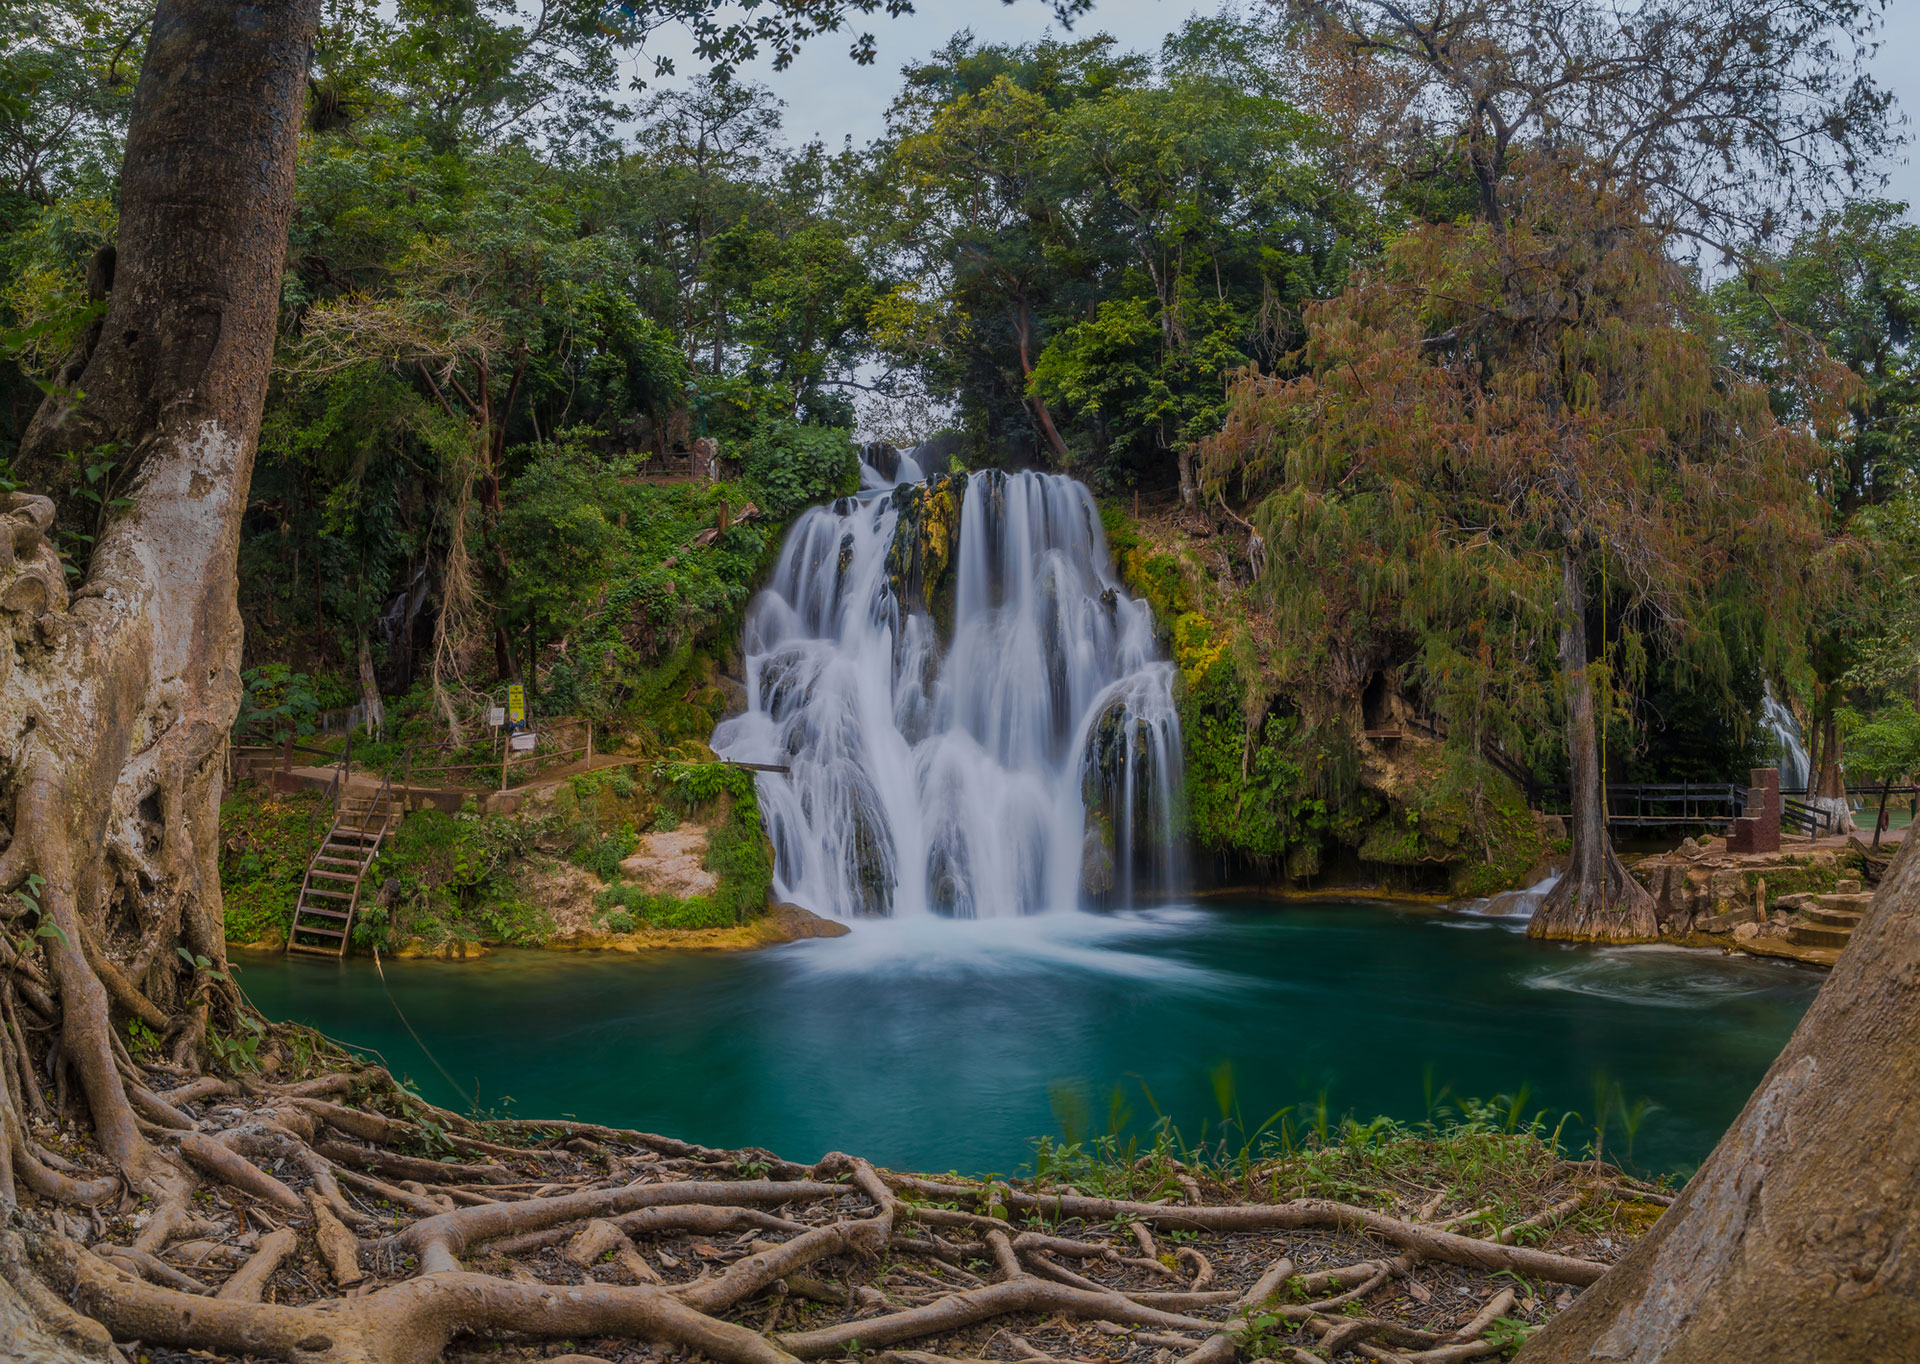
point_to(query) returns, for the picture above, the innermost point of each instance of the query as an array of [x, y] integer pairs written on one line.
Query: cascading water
[[1026, 758], [1794, 766]]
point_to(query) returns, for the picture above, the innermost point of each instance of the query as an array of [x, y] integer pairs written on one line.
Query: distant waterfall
[[1794, 771], [1022, 756]]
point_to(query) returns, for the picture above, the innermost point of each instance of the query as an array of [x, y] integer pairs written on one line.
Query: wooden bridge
[[1643, 805], [1663, 805]]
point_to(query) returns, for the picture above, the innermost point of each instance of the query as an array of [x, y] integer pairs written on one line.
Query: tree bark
[[115, 704], [1795, 1239], [1023, 331], [373, 711], [1189, 487], [1597, 900], [1830, 781]]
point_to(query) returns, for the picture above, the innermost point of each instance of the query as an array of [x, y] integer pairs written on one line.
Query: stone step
[[1855, 902], [1833, 918], [1819, 935]]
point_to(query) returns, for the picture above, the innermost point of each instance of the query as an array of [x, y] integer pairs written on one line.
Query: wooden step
[[361, 824], [1819, 935]]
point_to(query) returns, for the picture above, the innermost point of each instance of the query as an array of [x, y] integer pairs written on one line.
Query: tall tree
[[1730, 119], [1696, 119], [1848, 286], [116, 697], [1106, 237], [1497, 428]]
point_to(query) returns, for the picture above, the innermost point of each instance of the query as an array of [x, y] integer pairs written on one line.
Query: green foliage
[[791, 466], [239, 1050], [266, 840], [661, 911], [451, 880], [740, 855], [1883, 747], [1108, 235], [1480, 500], [601, 853], [277, 704]]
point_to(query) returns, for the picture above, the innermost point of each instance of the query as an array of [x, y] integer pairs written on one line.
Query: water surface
[[945, 1044]]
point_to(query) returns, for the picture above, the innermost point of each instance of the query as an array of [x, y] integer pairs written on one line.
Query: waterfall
[[1021, 755], [1794, 768]]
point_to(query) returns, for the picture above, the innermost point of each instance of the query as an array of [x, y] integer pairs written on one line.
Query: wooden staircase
[[323, 917]]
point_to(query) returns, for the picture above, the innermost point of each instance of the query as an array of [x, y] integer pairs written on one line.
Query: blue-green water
[[939, 1044]]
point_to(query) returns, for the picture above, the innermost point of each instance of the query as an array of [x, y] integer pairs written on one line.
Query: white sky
[[827, 95]]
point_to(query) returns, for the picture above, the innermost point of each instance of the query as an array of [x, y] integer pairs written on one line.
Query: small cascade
[[1517, 905], [884, 466], [1795, 770], [1023, 754]]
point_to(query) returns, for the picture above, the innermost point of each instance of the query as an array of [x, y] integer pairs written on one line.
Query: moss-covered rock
[[1278, 787], [926, 539]]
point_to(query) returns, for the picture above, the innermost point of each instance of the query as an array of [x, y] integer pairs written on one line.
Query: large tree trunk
[[1795, 1239], [1596, 900], [1830, 781], [115, 706], [373, 711]]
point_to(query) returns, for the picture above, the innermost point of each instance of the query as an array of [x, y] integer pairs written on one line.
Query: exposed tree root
[[567, 1232]]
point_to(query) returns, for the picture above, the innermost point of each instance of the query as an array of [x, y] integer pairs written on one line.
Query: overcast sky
[[827, 95]]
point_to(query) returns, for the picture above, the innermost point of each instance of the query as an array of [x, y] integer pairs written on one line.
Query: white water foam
[[1660, 977], [1031, 762], [1514, 906], [1126, 946]]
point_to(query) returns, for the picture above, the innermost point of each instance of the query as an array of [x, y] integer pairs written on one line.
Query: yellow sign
[[516, 704]]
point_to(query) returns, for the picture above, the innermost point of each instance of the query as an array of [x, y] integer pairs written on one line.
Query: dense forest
[[1477, 402], [520, 295]]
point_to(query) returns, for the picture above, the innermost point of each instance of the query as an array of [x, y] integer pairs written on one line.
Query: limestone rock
[[794, 922], [670, 863]]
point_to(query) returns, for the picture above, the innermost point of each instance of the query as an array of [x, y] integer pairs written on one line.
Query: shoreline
[[782, 923]]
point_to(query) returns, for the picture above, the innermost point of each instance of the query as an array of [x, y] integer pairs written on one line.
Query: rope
[[472, 1103]]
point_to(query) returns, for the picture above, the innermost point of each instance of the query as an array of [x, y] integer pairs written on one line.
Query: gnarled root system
[[303, 1229]]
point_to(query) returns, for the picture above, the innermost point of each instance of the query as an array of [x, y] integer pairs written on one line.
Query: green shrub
[[601, 853], [619, 921], [451, 881], [791, 465], [265, 843], [662, 911]]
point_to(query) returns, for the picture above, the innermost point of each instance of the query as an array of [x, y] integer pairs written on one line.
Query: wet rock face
[[883, 457], [1096, 856], [791, 922], [870, 856], [925, 539]]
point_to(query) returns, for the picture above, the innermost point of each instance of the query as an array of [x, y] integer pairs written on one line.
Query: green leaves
[[200, 966], [792, 466]]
